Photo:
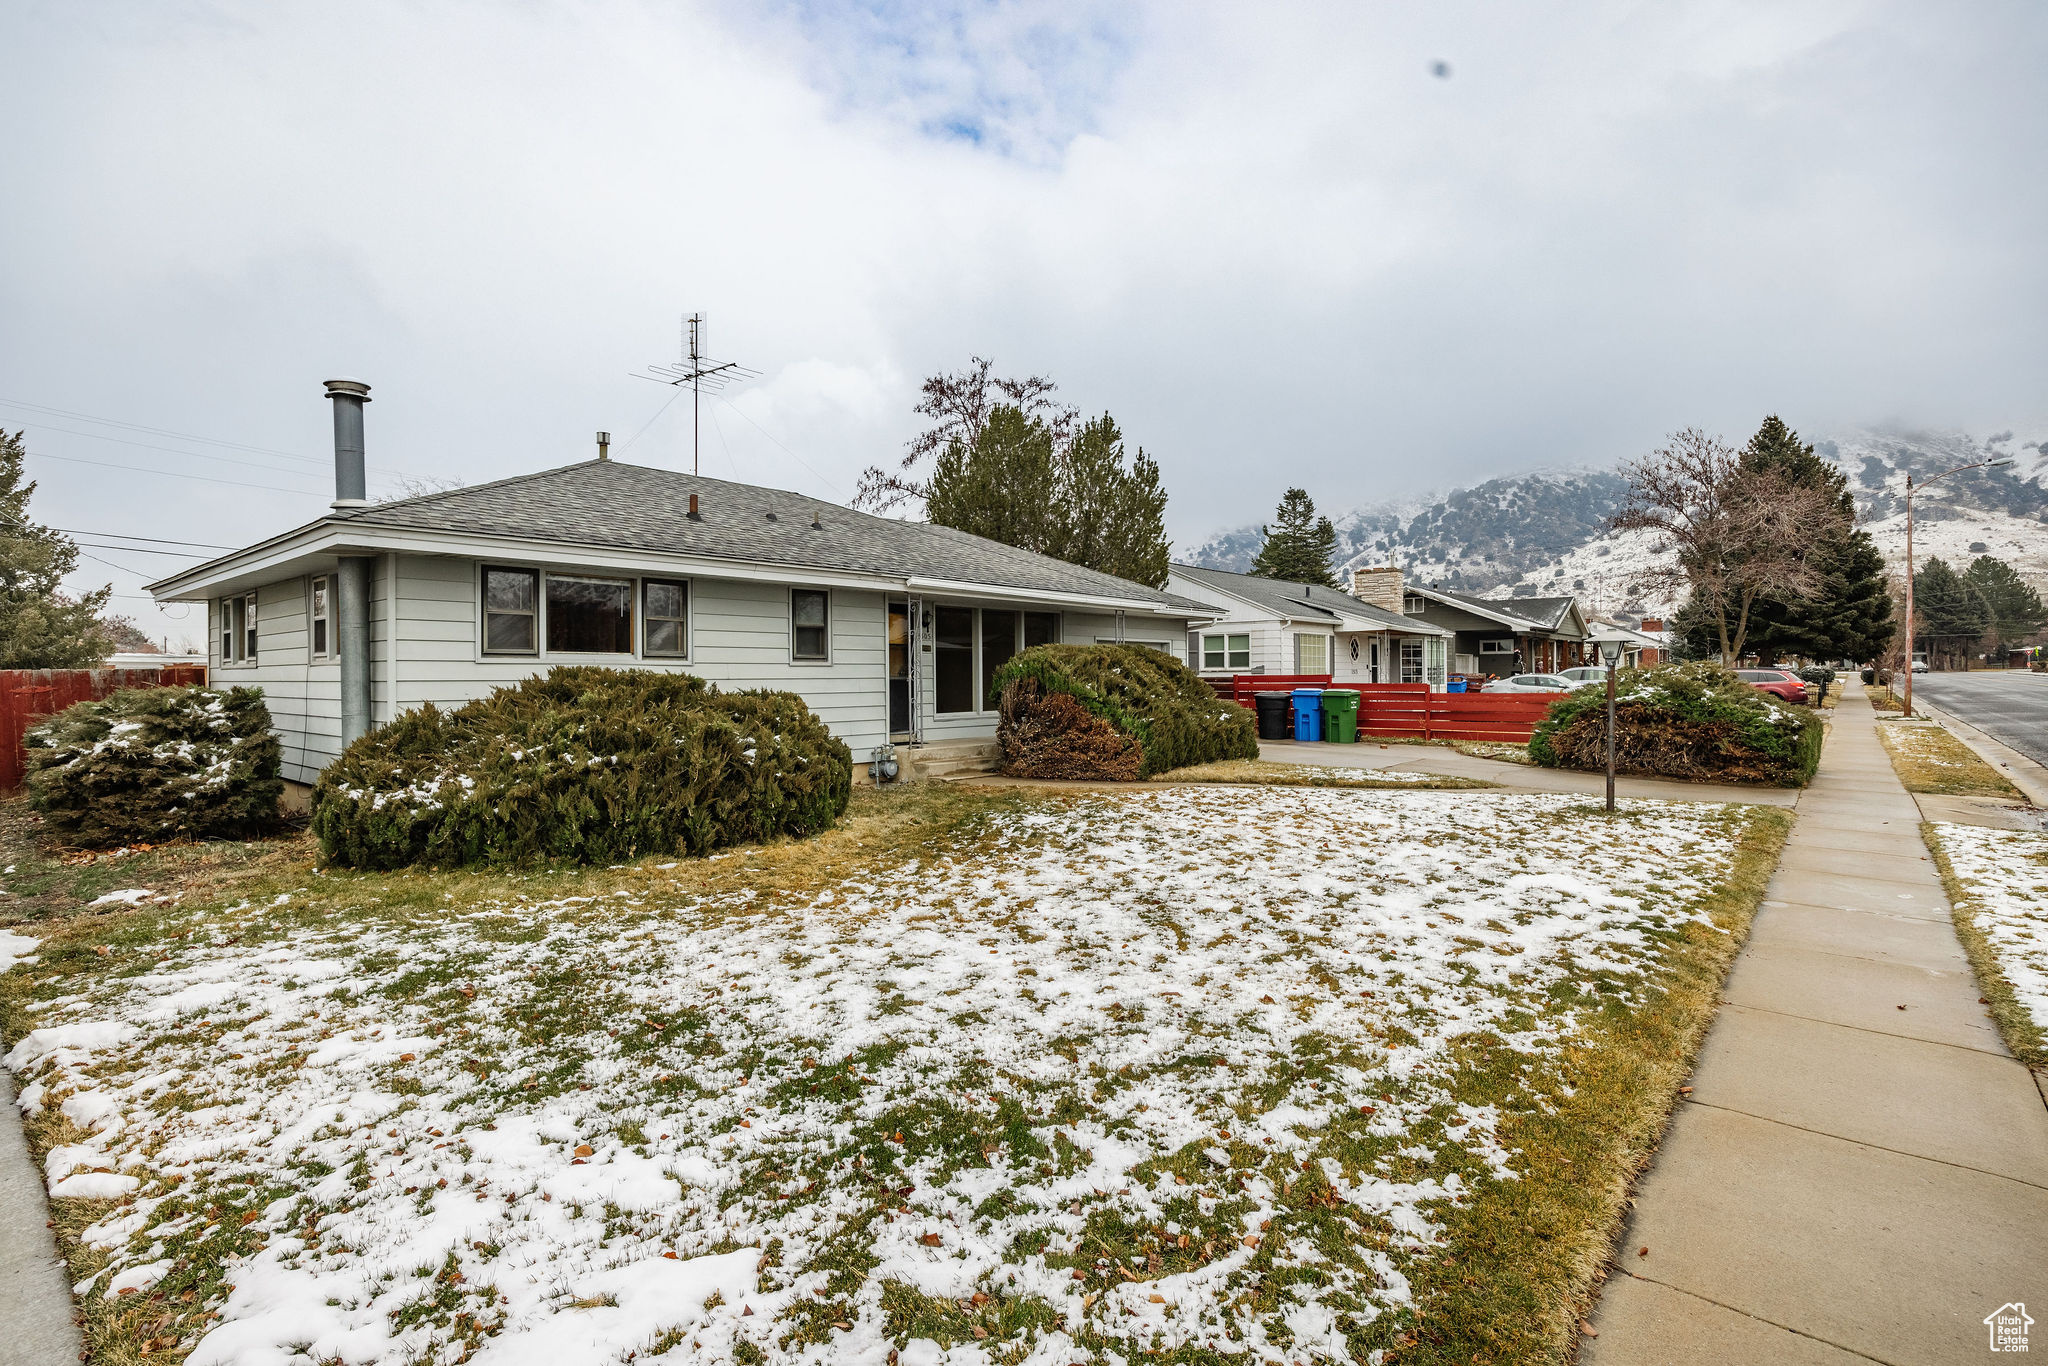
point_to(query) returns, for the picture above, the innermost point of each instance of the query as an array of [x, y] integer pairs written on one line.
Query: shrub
[[157, 764], [1693, 721], [1818, 673], [1144, 696], [582, 765]]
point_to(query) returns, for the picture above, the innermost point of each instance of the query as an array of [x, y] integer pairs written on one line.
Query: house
[[890, 630], [1270, 626], [1641, 646], [1491, 636]]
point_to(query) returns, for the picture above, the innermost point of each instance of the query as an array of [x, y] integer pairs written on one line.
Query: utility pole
[[700, 372], [1906, 702]]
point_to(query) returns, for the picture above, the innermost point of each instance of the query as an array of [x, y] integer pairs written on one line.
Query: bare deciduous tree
[[1737, 533], [959, 406]]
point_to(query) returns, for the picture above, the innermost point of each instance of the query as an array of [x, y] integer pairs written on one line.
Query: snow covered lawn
[[1200, 1072], [2003, 915]]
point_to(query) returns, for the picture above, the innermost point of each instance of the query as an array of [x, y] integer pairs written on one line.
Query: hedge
[[1695, 721], [1122, 703], [156, 764], [582, 765]]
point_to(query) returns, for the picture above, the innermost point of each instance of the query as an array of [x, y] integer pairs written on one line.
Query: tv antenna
[[700, 372]]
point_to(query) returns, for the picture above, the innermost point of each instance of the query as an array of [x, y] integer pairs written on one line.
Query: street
[[2011, 705]]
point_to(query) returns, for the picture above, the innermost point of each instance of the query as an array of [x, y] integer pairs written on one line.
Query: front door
[[1372, 649], [899, 670]]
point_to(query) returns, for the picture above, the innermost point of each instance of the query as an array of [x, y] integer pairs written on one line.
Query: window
[[1503, 646], [1412, 604], [665, 606], [1041, 628], [227, 630], [998, 643], [321, 617], [1311, 654], [1226, 652], [953, 665], [589, 616], [511, 611], [810, 621], [1411, 661]]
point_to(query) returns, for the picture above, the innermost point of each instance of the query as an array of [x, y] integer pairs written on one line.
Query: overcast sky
[[1365, 248]]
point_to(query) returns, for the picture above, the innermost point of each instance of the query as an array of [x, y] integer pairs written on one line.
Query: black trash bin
[[1275, 722]]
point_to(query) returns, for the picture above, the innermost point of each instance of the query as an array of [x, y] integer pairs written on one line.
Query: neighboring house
[[1640, 648], [1492, 636], [890, 630], [1269, 626]]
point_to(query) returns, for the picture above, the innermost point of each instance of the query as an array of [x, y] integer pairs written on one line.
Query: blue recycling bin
[[1308, 713], [1455, 685]]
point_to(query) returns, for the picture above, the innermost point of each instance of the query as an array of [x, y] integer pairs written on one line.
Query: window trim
[[317, 587], [809, 661], [484, 612], [688, 619]]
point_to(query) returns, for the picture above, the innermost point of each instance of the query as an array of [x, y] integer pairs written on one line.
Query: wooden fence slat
[[29, 695]]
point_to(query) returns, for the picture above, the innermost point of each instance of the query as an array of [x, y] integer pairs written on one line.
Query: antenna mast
[[700, 372]]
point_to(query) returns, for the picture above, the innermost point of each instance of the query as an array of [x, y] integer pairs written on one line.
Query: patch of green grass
[[2028, 1042]]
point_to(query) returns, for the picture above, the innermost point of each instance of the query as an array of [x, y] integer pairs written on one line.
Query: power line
[[168, 450], [124, 536], [138, 550], [158, 431], [168, 474], [786, 450]]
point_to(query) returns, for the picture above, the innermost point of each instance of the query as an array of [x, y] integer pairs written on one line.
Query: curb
[[2026, 775]]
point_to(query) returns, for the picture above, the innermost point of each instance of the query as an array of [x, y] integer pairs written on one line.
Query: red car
[[1789, 687]]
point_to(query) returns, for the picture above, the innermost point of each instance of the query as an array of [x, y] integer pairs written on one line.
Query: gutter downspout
[[352, 572]]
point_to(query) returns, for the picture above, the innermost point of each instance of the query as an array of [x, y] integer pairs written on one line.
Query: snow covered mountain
[[1545, 532]]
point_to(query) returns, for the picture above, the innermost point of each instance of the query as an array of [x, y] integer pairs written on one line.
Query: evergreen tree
[[2015, 608], [1300, 547], [41, 627], [1004, 484], [1849, 615], [1950, 614], [1113, 515]]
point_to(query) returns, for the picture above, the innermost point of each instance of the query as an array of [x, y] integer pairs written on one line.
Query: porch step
[[951, 759]]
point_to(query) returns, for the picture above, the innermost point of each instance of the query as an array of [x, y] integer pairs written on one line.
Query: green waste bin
[[1340, 715]]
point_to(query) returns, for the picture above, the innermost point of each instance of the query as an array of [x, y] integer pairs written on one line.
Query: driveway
[[2011, 705]]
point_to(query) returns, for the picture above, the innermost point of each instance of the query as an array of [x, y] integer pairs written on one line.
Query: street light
[[1906, 703], [1610, 655]]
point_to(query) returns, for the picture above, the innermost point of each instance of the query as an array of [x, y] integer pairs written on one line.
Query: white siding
[[304, 696]]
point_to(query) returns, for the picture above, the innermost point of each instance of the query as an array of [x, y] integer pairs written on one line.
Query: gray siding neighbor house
[[1495, 637], [890, 630], [1270, 626]]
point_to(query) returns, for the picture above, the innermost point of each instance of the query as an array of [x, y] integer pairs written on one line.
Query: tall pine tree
[[2014, 607], [1300, 546], [1004, 484], [1850, 616], [1112, 513], [1950, 614], [41, 627]]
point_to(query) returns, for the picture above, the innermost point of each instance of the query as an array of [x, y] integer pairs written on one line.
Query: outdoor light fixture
[[1610, 654]]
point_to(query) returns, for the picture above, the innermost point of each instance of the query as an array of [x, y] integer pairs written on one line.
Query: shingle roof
[[1299, 599], [1542, 613], [637, 507]]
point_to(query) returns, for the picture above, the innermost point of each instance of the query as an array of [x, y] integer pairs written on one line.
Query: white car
[[1586, 673], [1530, 683], [1919, 666]]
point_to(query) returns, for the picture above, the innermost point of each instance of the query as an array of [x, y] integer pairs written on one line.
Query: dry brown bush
[[1053, 736]]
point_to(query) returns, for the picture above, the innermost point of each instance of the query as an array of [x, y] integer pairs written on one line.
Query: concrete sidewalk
[[35, 1293], [1862, 1171]]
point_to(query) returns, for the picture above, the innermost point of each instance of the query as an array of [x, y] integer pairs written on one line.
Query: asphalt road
[[2008, 704]]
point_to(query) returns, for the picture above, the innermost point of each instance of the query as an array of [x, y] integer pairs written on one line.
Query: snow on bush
[[1170, 1071], [582, 765], [156, 764], [1696, 721]]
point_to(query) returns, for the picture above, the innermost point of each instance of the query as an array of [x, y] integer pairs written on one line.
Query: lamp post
[[1610, 655], [1906, 703]]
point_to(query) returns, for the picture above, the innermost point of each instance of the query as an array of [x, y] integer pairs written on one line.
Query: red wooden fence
[[28, 695], [1411, 711], [1239, 688]]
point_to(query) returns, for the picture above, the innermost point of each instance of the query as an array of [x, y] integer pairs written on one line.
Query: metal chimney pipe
[[349, 396], [352, 572]]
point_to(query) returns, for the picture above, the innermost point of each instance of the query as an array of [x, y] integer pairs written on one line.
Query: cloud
[[1272, 241]]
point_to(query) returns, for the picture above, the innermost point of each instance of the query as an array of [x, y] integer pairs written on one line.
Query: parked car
[[1530, 683], [1777, 682], [1919, 666], [1586, 673]]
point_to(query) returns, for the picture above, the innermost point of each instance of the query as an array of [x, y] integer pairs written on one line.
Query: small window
[[1497, 647], [665, 604], [810, 618], [1411, 661], [1311, 654], [1213, 653], [249, 627], [1240, 652], [321, 617], [589, 616], [511, 611], [1412, 604], [227, 630]]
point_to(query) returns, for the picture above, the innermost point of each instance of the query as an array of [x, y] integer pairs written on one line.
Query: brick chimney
[[1652, 624], [1380, 587]]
